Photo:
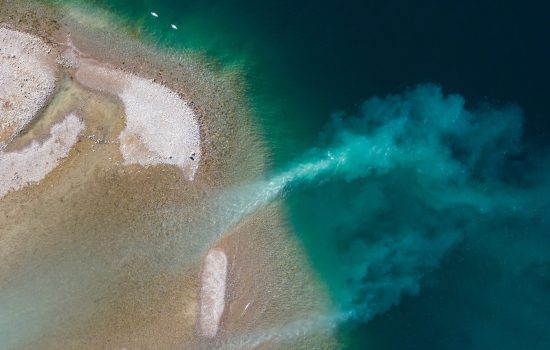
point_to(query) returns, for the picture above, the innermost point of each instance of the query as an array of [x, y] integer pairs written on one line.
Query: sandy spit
[[33, 163], [160, 127]]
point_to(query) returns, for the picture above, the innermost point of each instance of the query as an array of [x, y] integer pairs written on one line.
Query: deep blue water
[[460, 254]]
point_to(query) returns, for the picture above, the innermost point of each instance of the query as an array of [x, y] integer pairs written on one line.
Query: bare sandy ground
[[27, 78], [214, 276], [21, 168], [160, 127]]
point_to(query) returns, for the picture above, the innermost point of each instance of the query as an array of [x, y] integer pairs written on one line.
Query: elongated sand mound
[[160, 127], [212, 303], [33, 163], [27, 78]]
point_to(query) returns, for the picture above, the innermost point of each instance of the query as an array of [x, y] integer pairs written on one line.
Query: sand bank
[[212, 303], [160, 127], [27, 78], [33, 163], [132, 302]]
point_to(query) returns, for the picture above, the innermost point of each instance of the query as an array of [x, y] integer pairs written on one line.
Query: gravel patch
[[33, 163], [27, 78], [160, 126]]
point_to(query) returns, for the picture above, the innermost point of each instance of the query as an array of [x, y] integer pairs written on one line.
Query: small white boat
[[173, 26], [154, 14]]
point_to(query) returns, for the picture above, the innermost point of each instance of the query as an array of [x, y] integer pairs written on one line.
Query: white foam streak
[[228, 208]]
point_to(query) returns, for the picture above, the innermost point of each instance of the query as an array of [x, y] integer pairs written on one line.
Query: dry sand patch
[[160, 126], [214, 276], [31, 164]]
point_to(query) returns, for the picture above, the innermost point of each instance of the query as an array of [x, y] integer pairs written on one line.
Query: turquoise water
[[424, 211]]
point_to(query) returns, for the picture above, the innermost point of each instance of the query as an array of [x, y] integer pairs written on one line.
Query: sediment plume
[[396, 188]]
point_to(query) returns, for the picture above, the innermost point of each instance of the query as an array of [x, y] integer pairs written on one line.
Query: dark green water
[[446, 248]]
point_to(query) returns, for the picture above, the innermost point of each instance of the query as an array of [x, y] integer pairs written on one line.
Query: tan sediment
[[27, 78], [270, 284], [94, 229], [79, 227]]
